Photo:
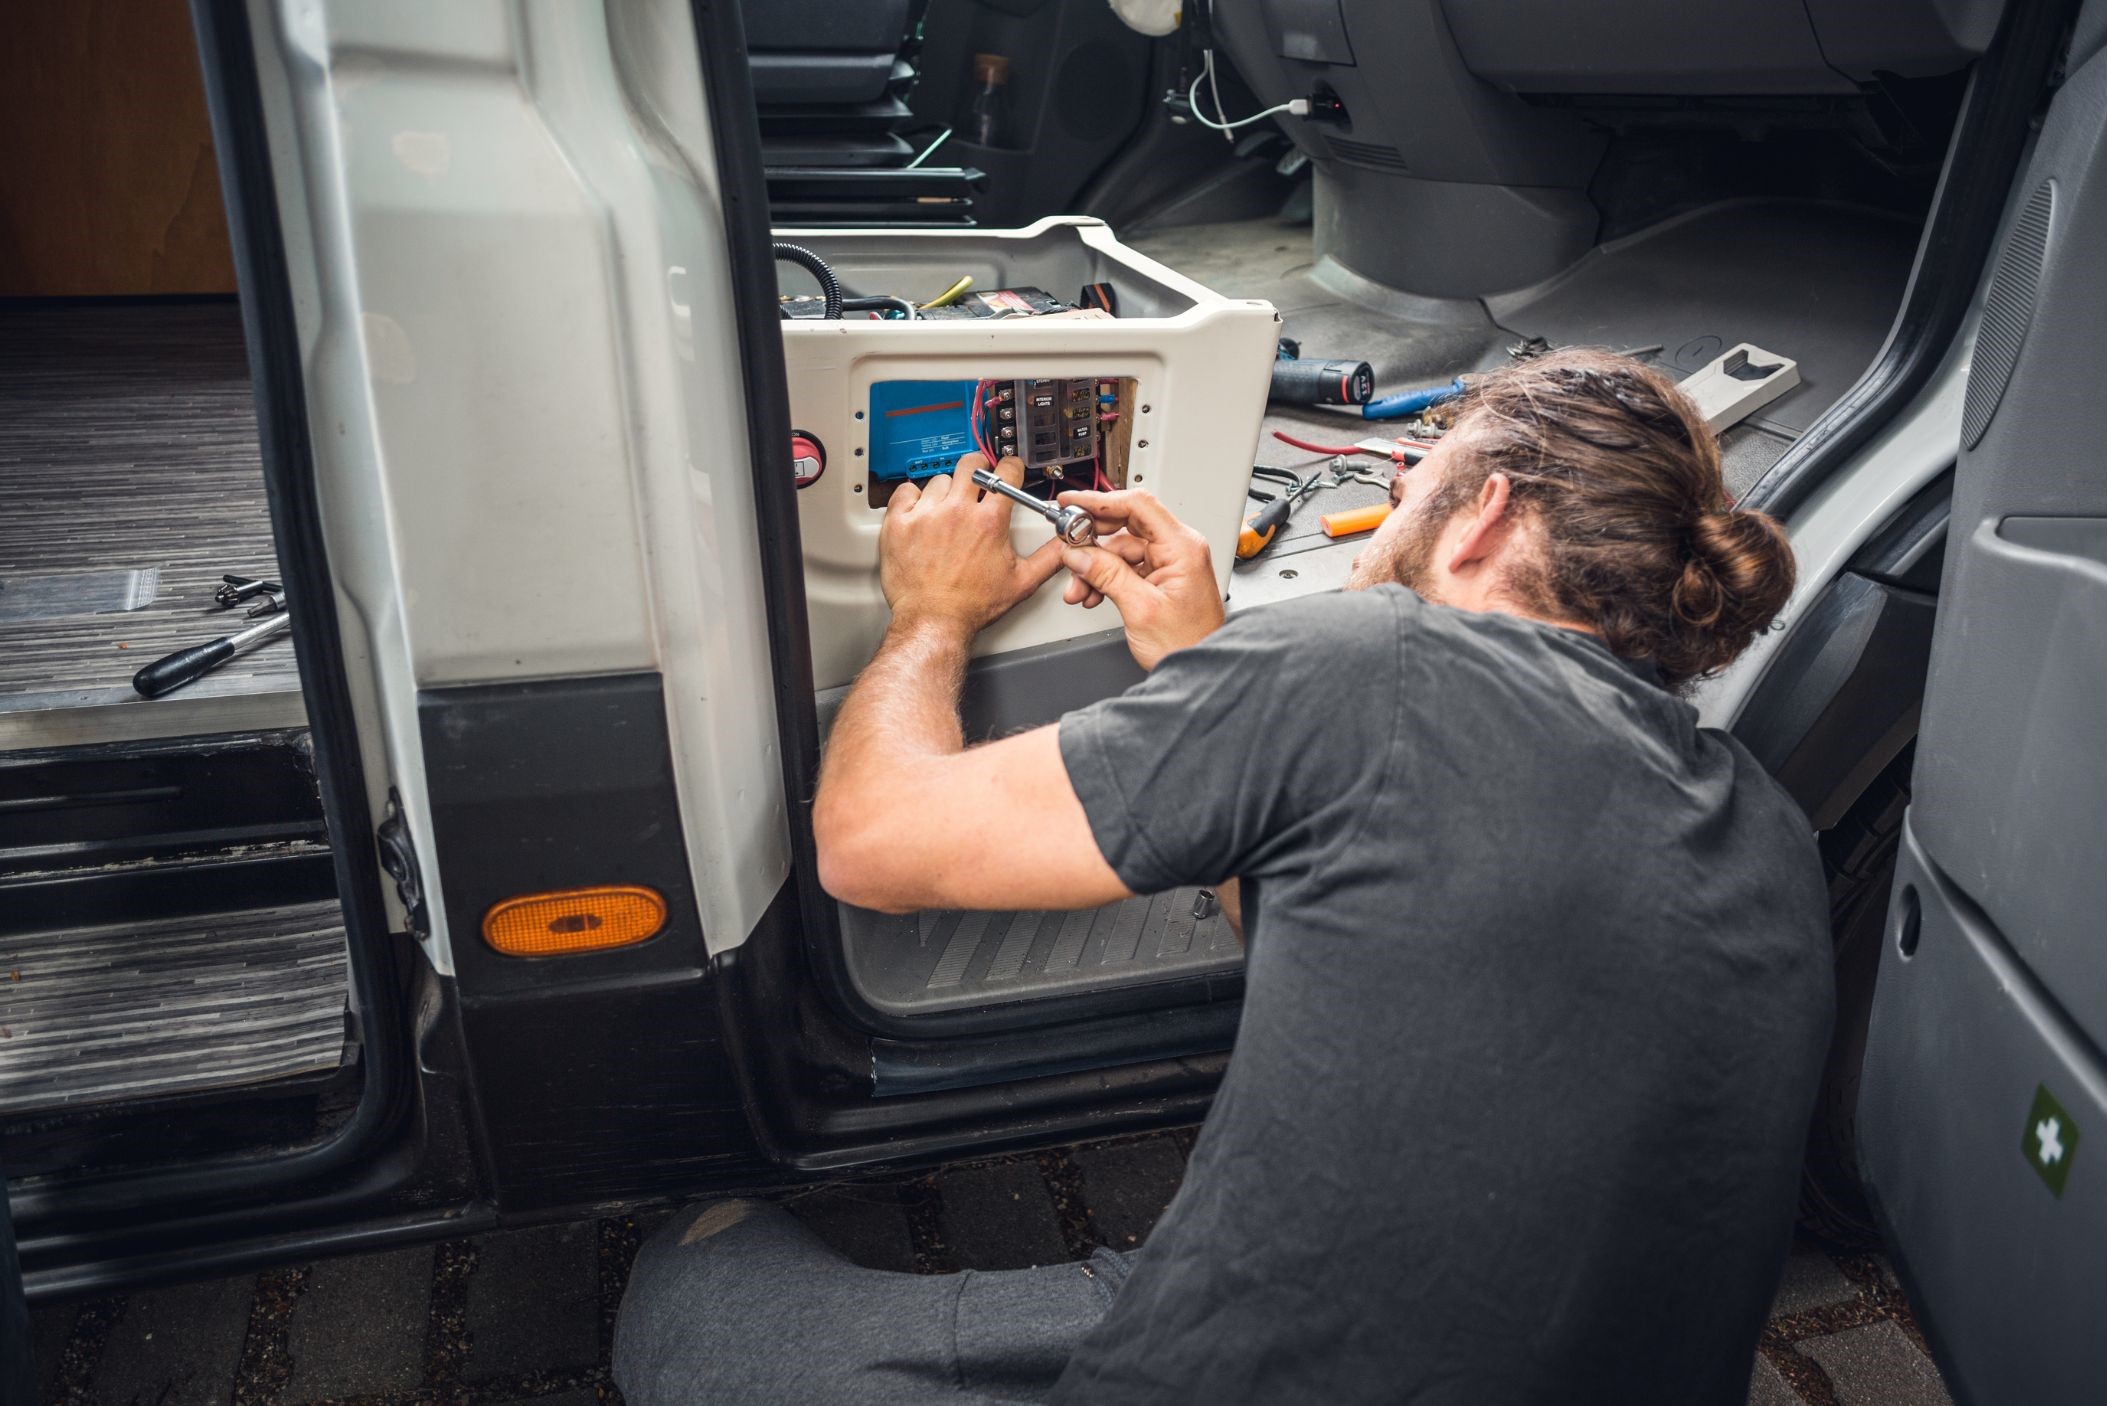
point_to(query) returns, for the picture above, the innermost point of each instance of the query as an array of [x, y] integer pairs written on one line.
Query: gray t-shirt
[[1537, 999]]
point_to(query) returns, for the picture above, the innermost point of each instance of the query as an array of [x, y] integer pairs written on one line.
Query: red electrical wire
[[979, 429], [1285, 438]]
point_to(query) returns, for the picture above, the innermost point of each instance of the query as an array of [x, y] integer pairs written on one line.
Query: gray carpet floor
[[128, 450]]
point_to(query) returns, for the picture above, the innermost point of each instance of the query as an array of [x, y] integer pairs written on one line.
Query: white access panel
[[1202, 364]]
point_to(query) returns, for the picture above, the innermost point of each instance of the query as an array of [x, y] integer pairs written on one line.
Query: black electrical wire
[[878, 302], [1295, 484], [829, 285]]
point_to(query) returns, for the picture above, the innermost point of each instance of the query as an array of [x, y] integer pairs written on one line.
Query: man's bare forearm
[[902, 710], [897, 767]]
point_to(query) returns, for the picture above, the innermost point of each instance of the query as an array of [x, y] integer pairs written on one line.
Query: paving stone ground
[[390, 1294], [525, 1316], [534, 1302]]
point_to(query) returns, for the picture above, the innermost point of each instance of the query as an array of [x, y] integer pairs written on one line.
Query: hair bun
[[1621, 479], [1739, 576]]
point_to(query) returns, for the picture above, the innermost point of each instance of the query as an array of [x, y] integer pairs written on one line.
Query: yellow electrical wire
[[950, 295]]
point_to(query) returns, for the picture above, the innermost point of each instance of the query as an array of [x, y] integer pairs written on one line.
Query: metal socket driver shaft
[[1071, 525]]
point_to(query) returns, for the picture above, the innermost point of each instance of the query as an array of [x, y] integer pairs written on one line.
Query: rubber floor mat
[[933, 961]]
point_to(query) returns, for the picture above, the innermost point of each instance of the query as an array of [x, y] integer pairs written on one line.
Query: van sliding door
[[1983, 1115]]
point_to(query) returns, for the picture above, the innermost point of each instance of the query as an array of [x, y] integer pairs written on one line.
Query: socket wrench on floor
[[1071, 525], [189, 665]]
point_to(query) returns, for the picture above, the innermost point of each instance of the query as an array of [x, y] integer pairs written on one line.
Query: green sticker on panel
[[2050, 1140]]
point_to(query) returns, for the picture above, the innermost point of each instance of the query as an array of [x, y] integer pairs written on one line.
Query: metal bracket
[[1738, 383], [398, 857]]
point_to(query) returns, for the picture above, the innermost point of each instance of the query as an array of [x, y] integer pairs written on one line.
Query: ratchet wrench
[[1071, 525]]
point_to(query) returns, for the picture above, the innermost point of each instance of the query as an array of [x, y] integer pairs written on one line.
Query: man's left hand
[[944, 552]]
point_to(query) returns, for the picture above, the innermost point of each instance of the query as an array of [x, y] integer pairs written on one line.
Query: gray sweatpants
[[739, 1302]]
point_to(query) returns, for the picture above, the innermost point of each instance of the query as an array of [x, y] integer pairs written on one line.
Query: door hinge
[[398, 856]]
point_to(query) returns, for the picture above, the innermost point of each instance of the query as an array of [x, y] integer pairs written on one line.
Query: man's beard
[[1406, 560]]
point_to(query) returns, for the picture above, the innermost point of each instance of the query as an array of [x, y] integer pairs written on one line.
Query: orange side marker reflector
[[564, 921]]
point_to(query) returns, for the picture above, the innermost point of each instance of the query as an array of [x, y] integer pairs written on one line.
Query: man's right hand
[[1152, 567]]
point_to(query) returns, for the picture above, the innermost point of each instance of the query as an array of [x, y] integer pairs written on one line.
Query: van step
[[170, 1006], [90, 810]]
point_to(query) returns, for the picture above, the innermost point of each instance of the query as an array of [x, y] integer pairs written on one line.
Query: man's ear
[[1487, 529]]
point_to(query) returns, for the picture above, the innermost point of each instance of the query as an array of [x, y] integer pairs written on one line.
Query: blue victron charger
[[920, 428]]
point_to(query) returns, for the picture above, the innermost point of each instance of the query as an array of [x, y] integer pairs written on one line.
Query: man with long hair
[[1538, 986]]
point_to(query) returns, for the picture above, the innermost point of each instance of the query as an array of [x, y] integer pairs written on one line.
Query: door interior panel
[[2004, 1270], [1983, 1112], [2009, 779]]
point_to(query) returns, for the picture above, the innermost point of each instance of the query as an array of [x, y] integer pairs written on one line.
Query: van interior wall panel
[[107, 178], [128, 444]]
